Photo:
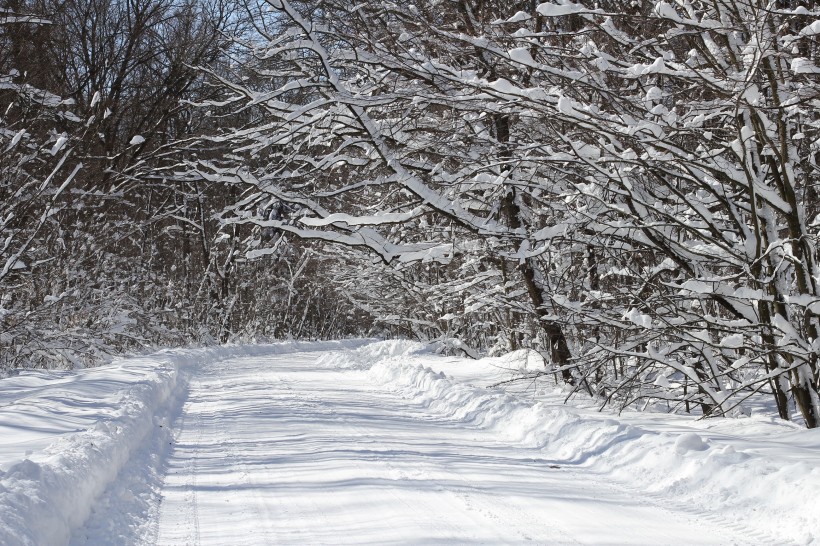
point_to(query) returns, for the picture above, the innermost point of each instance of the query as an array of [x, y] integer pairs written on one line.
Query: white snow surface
[[379, 443]]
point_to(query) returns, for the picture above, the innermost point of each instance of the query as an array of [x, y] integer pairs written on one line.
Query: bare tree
[[642, 179]]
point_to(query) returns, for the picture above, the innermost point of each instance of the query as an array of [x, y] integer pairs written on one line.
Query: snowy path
[[276, 450]]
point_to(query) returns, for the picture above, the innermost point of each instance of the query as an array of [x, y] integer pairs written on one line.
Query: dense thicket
[[630, 190], [102, 249]]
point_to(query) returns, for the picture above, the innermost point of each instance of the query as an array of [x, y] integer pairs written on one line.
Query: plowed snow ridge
[[385, 443]]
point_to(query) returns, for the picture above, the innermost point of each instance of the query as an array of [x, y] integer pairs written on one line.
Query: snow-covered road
[[277, 450], [378, 443]]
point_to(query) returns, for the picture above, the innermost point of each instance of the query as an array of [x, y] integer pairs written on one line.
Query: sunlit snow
[[379, 443]]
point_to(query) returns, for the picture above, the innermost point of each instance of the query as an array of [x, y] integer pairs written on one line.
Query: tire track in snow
[[270, 507], [463, 498], [186, 513], [320, 456], [723, 530], [421, 515], [192, 507]]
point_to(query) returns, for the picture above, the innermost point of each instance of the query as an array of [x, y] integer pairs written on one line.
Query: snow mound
[[68, 435], [689, 441], [523, 360], [44, 497], [756, 487], [362, 358]]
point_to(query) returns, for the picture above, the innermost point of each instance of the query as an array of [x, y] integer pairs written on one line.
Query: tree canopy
[[630, 190]]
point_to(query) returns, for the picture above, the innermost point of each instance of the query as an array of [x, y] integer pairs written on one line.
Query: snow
[[654, 94], [522, 55], [16, 138], [67, 435], [355, 442], [734, 468], [638, 318], [657, 67], [689, 441], [137, 139], [58, 145], [812, 29], [663, 9], [565, 106], [732, 341], [372, 220], [518, 17], [801, 65], [549, 9], [504, 86]]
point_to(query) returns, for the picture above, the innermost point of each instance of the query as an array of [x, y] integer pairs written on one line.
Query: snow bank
[[67, 435], [362, 358], [758, 471]]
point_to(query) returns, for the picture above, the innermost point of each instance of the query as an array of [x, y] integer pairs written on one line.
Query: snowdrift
[[67, 435], [756, 472]]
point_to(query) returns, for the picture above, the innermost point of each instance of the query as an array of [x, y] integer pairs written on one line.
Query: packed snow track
[[363, 446], [279, 451]]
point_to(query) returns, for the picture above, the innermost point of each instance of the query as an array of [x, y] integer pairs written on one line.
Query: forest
[[629, 189]]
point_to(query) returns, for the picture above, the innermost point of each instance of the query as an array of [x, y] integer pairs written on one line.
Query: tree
[[629, 174], [91, 97]]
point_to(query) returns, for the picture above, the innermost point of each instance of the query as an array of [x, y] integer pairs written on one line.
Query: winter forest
[[630, 189]]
